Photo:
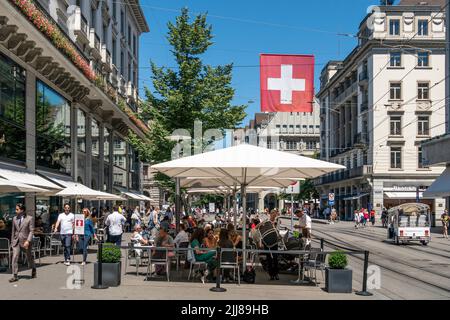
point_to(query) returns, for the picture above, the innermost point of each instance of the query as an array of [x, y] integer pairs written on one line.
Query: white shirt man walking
[[115, 223], [67, 221]]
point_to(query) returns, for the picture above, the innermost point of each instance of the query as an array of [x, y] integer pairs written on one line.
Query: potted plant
[[338, 278], [111, 266]]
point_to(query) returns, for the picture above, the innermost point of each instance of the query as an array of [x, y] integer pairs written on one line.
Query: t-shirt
[[66, 222], [305, 222], [182, 236], [115, 222]]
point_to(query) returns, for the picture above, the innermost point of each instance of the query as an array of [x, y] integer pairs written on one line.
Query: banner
[[287, 83], [79, 224]]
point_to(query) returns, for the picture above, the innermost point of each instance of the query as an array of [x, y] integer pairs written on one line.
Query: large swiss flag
[[287, 83]]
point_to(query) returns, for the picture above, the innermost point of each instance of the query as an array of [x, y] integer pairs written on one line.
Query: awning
[[136, 196], [403, 195], [441, 187], [356, 197], [28, 178]]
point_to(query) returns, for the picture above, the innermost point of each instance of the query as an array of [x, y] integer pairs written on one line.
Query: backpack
[[249, 275], [269, 235]]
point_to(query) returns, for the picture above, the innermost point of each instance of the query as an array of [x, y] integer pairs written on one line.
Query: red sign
[[287, 83]]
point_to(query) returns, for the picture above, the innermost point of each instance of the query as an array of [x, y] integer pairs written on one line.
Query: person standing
[[21, 239], [115, 223], [445, 222], [305, 223], [89, 232], [66, 220], [372, 217], [135, 218], [356, 218]]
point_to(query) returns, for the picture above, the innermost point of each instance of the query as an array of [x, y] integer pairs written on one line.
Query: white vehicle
[[409, 222]]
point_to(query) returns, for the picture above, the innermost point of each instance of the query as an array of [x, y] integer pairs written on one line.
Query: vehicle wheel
[[424, 243]]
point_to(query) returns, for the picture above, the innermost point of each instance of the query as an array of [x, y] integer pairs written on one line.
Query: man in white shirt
[[66, 220], [115, 223], [305, 223]]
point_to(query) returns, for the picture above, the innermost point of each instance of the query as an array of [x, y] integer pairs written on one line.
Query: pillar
[[30, 126]]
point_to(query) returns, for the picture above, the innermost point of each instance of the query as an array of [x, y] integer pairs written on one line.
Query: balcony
[[79, 26], [106, 59], [361, 140], [359, 172], [115, 76], [94, 42], [347, 93], [131, 91]]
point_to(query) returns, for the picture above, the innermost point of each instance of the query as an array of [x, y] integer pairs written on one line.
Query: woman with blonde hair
[[89, 232]]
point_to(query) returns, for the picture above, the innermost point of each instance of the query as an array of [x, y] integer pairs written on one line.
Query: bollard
[[99, 284], [364, 291], [217, 288]]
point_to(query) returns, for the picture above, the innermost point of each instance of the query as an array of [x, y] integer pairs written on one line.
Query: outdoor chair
[[138, 258], [160, 261], [316, 261], [5, 249], [35, 250], [201, 265], [181, 255], [231, 264], [52, 241]]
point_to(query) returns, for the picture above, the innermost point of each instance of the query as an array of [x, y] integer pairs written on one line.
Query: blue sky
[[245, 28]]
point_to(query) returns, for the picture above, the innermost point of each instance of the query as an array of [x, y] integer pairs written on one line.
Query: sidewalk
[[55, 280]]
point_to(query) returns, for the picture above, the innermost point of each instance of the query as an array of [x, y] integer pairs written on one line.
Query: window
[[120, 162], [81, 132], [396, 59], [423, 59], [122, 23], [284, 128], [423, 28], [423, 91], [114, 10], [311, 129], [291, 145], [106, 135], [129, 36], [423, 126], [396, 126], [122, 64], [420, 159], [93, 18], [278, 127], [298, 128], [105, 34], [396, 91], [134, 46], [305, 128], [291, 128], [114, 52], [396, 157], [95, 134], [394, 27], [53, 129], [12, 110]]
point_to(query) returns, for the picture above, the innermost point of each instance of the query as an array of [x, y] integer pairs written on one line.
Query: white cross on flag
[[287, 83]]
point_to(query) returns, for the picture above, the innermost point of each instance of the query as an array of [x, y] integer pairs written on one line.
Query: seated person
[[182, 236], [163, 240], [210, 241], [5, 232], [137, 239], [208, 256], [227, 256], [39, 230]]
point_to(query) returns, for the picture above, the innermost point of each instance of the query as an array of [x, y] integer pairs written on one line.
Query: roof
[[441, 3], [136, 9]]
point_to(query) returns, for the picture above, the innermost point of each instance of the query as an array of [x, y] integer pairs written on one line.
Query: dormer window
[[394, 27]]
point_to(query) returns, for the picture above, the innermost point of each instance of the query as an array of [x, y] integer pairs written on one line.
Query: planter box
[[111, 274], [338, 280]]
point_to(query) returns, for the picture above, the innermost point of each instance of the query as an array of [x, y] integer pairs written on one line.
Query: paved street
[[52, 278], [408, 271]]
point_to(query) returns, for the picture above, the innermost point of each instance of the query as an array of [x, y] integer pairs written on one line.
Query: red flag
[[287, 83]]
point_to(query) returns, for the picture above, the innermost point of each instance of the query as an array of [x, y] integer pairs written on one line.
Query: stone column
[[74, 134], [88, 149], [30, 126]]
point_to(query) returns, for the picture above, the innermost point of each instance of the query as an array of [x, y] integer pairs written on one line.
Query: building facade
[[69, 79], [379, 104]]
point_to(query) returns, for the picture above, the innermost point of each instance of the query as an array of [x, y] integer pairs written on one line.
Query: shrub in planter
[[338, 279], [111, 266]]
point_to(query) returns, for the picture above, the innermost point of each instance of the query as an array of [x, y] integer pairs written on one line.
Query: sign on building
[[293, 188]]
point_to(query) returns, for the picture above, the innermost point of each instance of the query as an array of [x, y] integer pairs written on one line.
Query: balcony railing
[[361, 171], [94, 41], [106, 58]]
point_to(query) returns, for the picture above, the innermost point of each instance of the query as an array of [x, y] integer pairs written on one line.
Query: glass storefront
[[52, 130], [120, 162], [12, 110]]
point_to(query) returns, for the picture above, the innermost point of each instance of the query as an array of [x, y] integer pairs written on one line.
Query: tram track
[[381, 239], [342, 244]]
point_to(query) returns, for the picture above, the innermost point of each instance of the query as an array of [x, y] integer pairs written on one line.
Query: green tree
[[191, 92]]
